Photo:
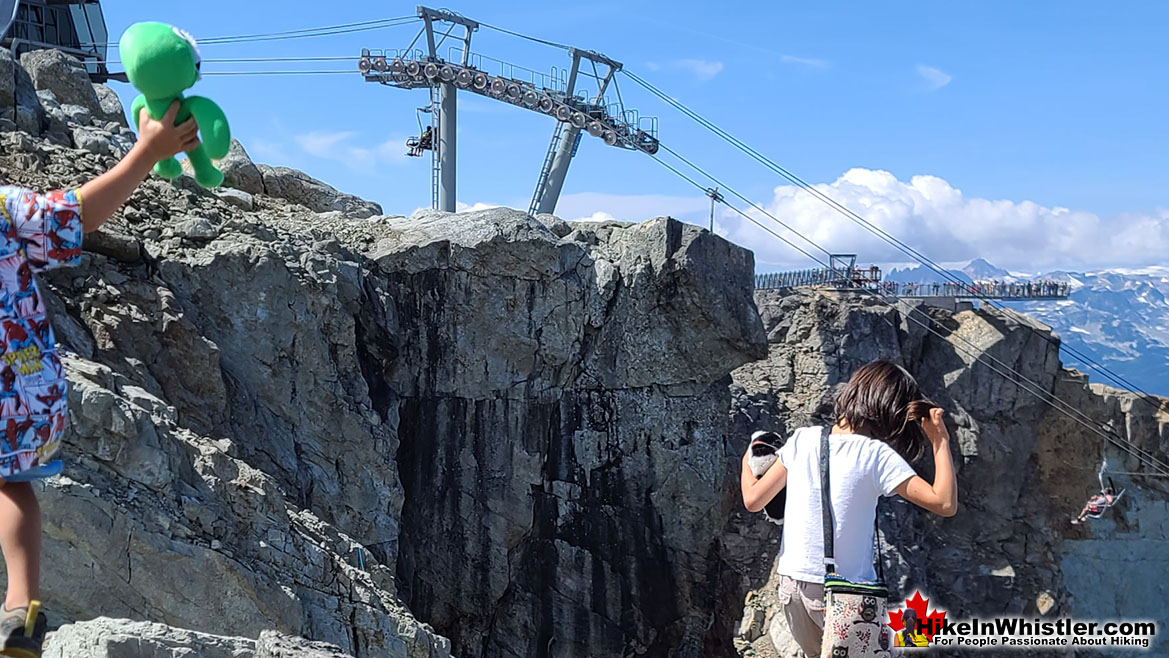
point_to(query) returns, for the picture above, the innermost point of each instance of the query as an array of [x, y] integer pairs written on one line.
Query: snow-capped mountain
[[923, 274], [980, 270], [1118, 318]]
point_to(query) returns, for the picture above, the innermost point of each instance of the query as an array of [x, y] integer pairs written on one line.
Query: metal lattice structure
[[76, 27], [558, 94]]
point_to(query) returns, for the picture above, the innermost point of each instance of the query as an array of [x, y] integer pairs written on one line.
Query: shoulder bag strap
[[826, 502]]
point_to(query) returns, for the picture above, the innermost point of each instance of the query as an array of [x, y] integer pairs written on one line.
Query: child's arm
[[157, 140], [758, 492], [941, 497]]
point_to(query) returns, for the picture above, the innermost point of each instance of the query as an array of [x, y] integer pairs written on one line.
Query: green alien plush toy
[[161, 61]]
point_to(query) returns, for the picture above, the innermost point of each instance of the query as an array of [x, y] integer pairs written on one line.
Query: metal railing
[[870, 279]]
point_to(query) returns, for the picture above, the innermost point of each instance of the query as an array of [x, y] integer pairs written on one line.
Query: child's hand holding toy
[[161, 61]]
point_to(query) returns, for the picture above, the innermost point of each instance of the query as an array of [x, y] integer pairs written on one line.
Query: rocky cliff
[[1024, 468], [289, 414], [487, 434]]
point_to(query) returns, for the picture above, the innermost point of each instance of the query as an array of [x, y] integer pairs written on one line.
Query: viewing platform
[[844, 275]]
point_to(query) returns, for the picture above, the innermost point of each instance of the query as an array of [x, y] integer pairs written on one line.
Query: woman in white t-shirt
[[882, 423]]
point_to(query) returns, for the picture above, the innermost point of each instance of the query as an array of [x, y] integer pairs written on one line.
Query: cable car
[[76, 27]]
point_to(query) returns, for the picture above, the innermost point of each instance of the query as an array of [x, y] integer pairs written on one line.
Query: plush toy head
[[161, 60]]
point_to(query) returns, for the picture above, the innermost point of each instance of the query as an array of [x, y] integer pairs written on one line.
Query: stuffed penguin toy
[[764, 451]]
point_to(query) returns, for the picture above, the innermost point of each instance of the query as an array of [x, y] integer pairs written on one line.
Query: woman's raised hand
[[935, 427]]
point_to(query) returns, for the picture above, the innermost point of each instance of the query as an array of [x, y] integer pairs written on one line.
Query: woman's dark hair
[[909, 618], [882, 401]]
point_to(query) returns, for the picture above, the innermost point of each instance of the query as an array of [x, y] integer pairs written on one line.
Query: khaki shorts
[[803, 608]]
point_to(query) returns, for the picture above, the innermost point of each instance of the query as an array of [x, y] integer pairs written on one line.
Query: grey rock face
[[64, 75], [237, 198], [122, 638], [7, 86], [239, 171], [196, 228], [559, 472], [30, 117], [94, 141], [298, 187], [109, 106], [77, 114], [277, 410], [1024, 469], [275, 645]]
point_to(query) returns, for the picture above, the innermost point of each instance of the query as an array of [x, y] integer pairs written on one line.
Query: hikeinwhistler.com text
[[1023, 633]]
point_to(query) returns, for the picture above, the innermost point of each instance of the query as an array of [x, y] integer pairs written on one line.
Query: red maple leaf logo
[[930, 623]]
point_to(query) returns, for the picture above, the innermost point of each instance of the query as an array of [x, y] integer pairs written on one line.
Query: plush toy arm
[[213, 130], [136, 109]]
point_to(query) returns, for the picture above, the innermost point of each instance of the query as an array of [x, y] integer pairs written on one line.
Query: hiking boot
[[22, 631]]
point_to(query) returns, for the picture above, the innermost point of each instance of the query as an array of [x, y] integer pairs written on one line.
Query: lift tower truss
[[557, 94]]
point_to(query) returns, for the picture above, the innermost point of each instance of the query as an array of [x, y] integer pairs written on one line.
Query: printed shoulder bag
[[854, 613]]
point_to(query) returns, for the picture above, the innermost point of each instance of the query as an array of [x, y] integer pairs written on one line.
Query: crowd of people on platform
[[838, 278], [1002, 289]]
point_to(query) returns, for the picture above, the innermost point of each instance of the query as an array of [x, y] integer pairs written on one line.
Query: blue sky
[[1028, 133]]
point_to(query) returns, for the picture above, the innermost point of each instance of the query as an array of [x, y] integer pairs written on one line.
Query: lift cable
[[856, 218], [1009, 374], [327, 30]]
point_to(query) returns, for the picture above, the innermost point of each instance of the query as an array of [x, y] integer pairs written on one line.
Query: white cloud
[[270, 152], [933, 217], [599, 216], [478, 205], [702, 69], [337, 146], [936, 78], [804, 61]]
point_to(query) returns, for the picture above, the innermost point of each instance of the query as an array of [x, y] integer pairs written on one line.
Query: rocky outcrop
[[488, 434], [346, 425], [560, 405], [185, 459], [1024, 468], [121, 638], [240, 172], [299, 187], [55, 99], [109, 106], [64, 75]]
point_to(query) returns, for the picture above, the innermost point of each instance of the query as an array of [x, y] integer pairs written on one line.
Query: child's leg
[[20, 540]]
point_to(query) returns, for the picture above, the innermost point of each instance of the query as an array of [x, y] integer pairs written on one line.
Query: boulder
[[30, 117], [121, 638], [104, 637], [237, 198], [109, 105], [94, 141], [239, 171], [7, 85], [298, 187], [77, 114], [275, 645], [62, 74]]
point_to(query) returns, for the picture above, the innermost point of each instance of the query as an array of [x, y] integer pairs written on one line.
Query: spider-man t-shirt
[[39, 232]]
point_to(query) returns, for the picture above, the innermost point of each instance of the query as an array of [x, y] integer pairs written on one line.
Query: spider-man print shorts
[[37, 232]]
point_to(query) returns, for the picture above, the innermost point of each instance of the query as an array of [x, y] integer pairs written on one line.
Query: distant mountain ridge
[[1119, 318]]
